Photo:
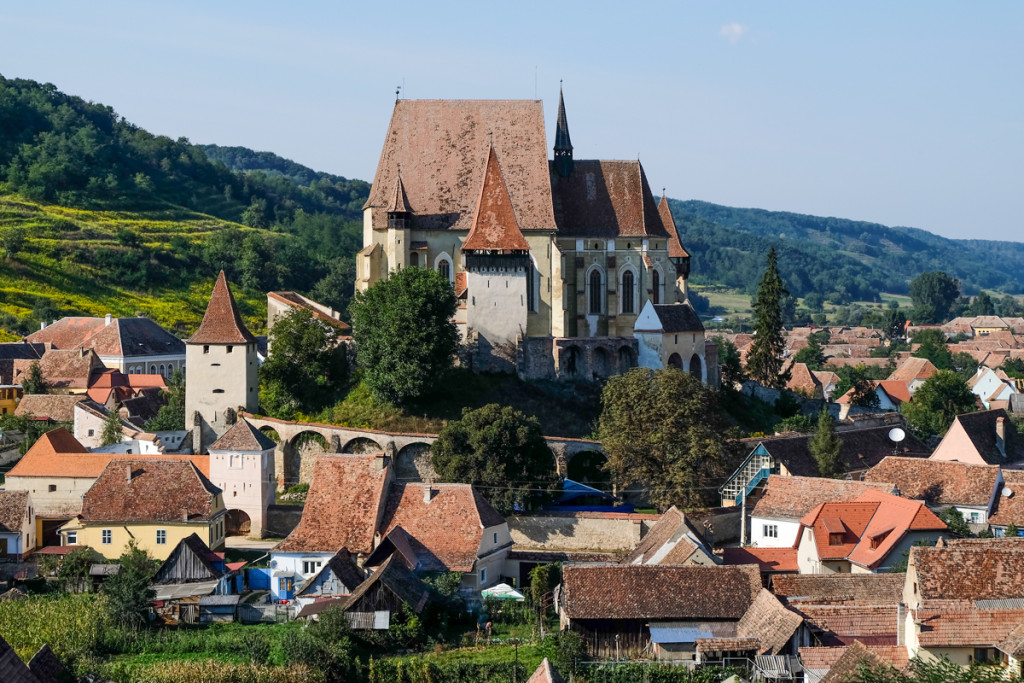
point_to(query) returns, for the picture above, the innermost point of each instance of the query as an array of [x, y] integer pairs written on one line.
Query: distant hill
[[244, 159], [834, 254]]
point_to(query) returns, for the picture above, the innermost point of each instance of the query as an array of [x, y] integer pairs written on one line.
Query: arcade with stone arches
[[300, 443]]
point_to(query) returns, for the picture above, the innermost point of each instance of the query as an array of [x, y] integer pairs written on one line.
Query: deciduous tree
[[937, 402], [933, 293], [171, 416], [663, 428], [405, 333], [128, 592], [499, 449], [765, 358]]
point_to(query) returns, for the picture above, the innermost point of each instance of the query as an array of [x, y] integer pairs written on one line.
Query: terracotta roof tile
[[125, 337], [970, 627], [769, 622], [980, 428], [545, 673], [55, 407], [793, 497], [222, 323], [397, 579], [297, 301], [606, 199], [399, 201], [842, 624], [494, 226], [738, 644], [989, 569], [803, 380], [847, 668], [767, 559], [444, 533], [342, 507], [441, 147], [1009, 509], [938, 482], [243, 437], [824, 658], [1013, 644], [159, 490], [658, 592], [63, 369], [460, 284], [675, 246], [672, 540], [13, 510], [913, 368]]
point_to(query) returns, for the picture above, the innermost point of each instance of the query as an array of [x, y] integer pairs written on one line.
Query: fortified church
[[564, 268]]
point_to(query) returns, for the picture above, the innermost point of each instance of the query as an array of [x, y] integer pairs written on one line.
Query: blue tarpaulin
[[677, 634]]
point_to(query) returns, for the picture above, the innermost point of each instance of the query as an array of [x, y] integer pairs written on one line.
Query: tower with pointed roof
[[222, 369], [563, 145]]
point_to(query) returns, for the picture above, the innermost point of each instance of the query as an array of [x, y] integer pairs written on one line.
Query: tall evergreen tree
[[34, 382], [764, 362], [113, 431], [825, 446]]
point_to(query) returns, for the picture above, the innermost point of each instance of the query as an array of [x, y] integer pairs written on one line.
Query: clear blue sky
[[905, 113]]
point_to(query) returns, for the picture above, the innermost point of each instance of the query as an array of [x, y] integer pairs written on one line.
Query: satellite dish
[[273, 563], [896, 434], [1007, 492]]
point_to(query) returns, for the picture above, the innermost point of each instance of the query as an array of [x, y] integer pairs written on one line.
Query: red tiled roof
[[658, 592], [545, 673], [842, 624], [803, 380], [441, 147], [767, 559], [297, 301], [445, 533], [460, 284], [990, 569], [938, 482], [494, 225], [872, 589], [56, 407], [825, 658], [770, 622], [222, 323], [1009, 509], [342, 507], [672, 540], [63, 369], [675, 246], [913, 368], [606, 199], [793, 497], [968, 627], [157, 490], [13, 510], [243, 437]]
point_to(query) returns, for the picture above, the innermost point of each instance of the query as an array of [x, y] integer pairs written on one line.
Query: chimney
[[1001, 435], [128, 473], [107, 319], [184, 514], [42, 325], [379, 462], [901, 622], [429, 492]]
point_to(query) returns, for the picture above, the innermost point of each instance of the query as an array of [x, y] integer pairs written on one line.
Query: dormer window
[[835, 539]]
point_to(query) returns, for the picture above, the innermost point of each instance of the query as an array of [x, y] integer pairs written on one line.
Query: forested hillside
[[127, 219], [852, 259]]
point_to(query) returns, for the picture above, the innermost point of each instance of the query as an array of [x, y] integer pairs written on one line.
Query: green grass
[[38, 276], [569, 410]]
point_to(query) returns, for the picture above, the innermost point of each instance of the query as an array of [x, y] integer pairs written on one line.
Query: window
[[771, 530], [531, 273], [206, 349], [975, 518], [445, 268], [998, 532], [218, 391], [284, 584], [106, 537], [835, 539], [235, 461], [92, 432], [161, 536], [311, 566], [152, 369], [627, 292], [596, 295], [483, 576], [655, 285], [414, 259], [51, 488], [72, 537]]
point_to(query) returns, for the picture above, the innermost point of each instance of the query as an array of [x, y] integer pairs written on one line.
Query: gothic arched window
[[627, 292], [596, 295], [656, 286]]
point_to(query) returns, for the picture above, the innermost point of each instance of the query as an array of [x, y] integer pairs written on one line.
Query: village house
[[891, 397], [339, 577], [242, 465], [913, 372], [17, 525], [155, 501], [672, 336], [132, 345], [1009, 508], [673, 540], [554, 259], [941, 484], [66, 371], [53, 408], [963, 602], [844, 663], [775, 519], [222, 357], [839, 610], [354, 503], [282, 303], [868, 534], [992, 387], [669, 612], [789, 455], [987, 437], [191, 573]]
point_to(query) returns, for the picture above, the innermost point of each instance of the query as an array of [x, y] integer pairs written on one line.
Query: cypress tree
[[764, 361]]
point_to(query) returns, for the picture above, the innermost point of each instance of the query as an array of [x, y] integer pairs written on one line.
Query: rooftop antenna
[[398, 90]]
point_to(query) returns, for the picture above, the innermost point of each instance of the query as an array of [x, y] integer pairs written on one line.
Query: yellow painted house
[[10, 395], [155, 501]]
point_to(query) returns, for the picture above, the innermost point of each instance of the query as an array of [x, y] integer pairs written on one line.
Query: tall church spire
[[563, 145]]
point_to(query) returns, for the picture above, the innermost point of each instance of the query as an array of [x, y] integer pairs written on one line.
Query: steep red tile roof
[[158, 490], [56, 407], [737, 644], [847, 666], [672, 540], [767, 559], [873, 518], [63, 369], [769, 622], [913, 368], [444, 533], [1013, 644], [399, 202], [13, 510], [991, 569], [803, 380], [494, 223], [966, 627], [675, 246], [824, 658], [342, 507], [1009, 509], [606, 199], [658, 592], [441, 147], [843, 624], [938, 482], [243, 437], [460, 284], [222, 323], [793, 497], [886, 589], [127, 337]]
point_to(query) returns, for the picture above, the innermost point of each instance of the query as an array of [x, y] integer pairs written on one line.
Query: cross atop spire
[[563, 145]]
